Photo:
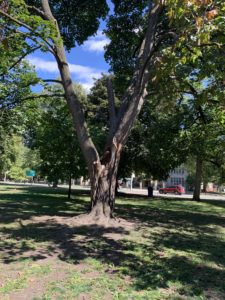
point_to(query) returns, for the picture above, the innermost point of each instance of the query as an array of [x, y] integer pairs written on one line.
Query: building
[[177, 177]]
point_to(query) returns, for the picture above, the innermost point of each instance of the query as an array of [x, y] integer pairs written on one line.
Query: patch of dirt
[[91, 275], [83, 297], [62, 243], [36, 286], [107, 296], [81, 267], [215, 295], [84, 219]]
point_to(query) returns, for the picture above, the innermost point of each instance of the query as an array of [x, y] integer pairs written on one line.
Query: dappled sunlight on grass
[[176, 250]]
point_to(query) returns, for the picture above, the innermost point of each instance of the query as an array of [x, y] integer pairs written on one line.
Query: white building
[[177, 177]]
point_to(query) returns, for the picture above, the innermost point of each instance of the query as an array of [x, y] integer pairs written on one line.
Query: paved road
[[204, 196]]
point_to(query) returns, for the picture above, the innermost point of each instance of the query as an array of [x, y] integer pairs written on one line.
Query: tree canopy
[[164, 48]]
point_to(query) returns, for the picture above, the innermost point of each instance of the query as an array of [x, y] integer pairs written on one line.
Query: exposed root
[[85, 220], [101, 220]]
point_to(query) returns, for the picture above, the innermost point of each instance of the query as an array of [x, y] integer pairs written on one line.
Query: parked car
[[175, 189]]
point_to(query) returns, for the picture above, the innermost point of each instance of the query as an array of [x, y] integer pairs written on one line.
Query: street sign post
[[30, 173]]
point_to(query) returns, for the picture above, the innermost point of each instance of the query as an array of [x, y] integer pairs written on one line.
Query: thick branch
[[137, 92], [85, 141], [15, 20], [111, 101]]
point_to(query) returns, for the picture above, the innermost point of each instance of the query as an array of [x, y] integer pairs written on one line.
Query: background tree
[[55, 139]]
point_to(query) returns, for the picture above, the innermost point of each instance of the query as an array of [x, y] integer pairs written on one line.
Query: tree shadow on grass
[[150, 270], [25, 205], [219, 203], [170, 217], [188, 236]]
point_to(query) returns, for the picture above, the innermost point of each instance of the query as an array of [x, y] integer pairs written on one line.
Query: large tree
[[154, 37]]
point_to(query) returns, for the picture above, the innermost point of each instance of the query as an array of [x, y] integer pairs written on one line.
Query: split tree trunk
[[103, 171], [103, 184], [198, 179]]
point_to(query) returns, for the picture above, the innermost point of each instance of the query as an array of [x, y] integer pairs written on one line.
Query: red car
[[175, 189]]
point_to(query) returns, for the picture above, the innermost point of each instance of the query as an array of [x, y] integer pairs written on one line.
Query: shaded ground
[[175, 250]]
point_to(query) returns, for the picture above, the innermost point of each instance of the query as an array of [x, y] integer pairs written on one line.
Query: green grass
[[177, 250]]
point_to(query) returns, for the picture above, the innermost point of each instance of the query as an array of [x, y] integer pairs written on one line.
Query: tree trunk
[[103, 184], [205, 183], [198, 179], [69, 190]]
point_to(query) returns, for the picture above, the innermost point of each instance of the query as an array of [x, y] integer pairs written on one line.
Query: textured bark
[[198, 179], [69, 190], [103, 183]]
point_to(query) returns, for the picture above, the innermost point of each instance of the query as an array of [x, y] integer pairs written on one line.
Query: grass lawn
[[176, 250]]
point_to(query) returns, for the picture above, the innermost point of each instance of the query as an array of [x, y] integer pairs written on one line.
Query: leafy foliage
[[53, 136]]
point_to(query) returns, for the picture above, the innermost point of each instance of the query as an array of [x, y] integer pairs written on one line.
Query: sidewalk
[[144, 192]]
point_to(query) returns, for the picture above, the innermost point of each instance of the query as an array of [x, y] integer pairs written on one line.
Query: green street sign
[[30, 173]]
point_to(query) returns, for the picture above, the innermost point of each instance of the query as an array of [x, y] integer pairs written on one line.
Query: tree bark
[[198, 179], [205, 183], [103, 183], [70, 182]]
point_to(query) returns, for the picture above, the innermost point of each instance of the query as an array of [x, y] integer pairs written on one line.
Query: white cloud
[[87, 86], [83, 74], [96, 43]]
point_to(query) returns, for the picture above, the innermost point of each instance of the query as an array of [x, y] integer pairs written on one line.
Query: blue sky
[[86, 62]]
